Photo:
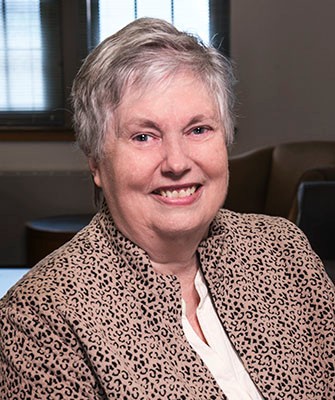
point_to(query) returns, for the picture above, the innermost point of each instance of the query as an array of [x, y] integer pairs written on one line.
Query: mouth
[[177, 193]]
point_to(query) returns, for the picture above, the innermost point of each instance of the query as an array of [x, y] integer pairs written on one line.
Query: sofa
[[266, 180]]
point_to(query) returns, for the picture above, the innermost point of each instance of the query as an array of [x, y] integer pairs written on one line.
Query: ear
[[95, 171]]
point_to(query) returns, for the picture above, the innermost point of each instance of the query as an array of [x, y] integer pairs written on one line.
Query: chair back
[[289, 162]]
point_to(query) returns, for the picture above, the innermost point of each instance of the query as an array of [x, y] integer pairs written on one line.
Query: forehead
[[179, 93]]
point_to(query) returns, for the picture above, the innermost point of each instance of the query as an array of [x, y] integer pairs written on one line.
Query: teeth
[[178, 194]]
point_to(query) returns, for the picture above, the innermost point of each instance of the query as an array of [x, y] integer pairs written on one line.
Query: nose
[[175, 160]]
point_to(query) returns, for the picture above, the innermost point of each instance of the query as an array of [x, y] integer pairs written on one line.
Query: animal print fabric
[[94, 321]]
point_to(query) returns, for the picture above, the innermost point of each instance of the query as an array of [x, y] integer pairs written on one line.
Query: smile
[[178, 193]]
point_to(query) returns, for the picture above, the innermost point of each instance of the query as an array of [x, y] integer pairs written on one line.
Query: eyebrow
[[138, 121], [144, 122], [200, 118], [148, 123]]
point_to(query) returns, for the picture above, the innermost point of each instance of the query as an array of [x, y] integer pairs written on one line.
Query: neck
[[174, 255], [178, 266], [177, 257], [171, 253], [185, 271]]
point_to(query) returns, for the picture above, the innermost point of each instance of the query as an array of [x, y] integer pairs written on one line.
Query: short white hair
[[144, 52]]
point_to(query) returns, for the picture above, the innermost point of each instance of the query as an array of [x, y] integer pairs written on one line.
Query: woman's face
[[165, 167]]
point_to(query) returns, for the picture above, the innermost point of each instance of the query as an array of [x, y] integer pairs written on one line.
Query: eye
[[142, 137], [200, 130]]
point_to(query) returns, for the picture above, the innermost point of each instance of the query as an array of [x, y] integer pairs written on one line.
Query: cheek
[[220, 179], [218, 162], [123, 177], [106, 176], [136, 169]]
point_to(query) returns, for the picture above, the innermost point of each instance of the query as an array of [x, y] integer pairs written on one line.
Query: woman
[[164, 295]]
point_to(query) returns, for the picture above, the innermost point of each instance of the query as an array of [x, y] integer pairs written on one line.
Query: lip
[[172, 198]]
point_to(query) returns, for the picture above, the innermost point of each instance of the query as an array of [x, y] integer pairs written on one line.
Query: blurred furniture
[[30, 195], [266, 180], [316, 217], [45, 235]]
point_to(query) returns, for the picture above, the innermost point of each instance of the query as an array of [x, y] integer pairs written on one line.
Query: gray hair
[[145, 51]]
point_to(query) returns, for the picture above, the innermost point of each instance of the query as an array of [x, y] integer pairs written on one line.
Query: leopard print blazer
[[94, 321]]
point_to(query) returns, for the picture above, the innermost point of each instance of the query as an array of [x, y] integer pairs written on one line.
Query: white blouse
[[219, 355]]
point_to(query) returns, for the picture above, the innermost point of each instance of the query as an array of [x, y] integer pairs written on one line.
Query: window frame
[[73, 51]]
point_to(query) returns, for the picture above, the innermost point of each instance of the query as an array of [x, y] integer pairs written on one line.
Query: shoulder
[[270, 260], [268, 245], [274, 236], [252, 226], [70, 275]]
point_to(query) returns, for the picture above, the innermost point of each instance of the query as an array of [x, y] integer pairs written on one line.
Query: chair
[[45, 235], [266, 180]]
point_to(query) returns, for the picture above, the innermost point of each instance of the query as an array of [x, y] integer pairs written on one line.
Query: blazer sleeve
[[40, 356]]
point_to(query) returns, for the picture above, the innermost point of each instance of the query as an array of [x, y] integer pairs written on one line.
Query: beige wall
[[285, 56], [41, 156]]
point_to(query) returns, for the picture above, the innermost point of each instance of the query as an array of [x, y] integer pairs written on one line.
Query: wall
[[285, 58], [41, 156]]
